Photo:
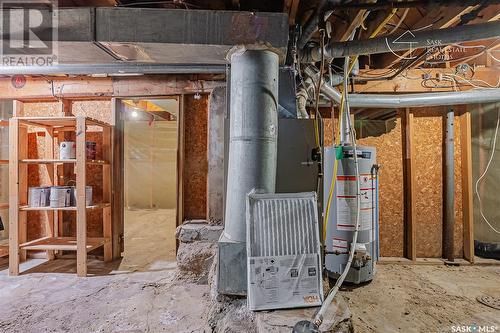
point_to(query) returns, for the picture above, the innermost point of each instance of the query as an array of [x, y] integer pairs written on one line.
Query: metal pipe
[[113, 69], [449, 211], [253, 134], [432, 39], [408, 100], [422, 39]]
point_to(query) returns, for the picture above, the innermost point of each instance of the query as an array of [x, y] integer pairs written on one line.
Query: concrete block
[[196, 257], [196, 231]]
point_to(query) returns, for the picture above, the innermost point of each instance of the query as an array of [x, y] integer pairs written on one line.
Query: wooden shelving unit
[[4, 246], [54, 240]]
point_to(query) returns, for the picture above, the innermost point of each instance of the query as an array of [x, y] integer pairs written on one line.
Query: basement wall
[[428, 145], [484, 120]]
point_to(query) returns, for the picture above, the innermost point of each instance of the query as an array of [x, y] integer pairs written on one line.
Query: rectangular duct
[[107, 35], [283, 246]]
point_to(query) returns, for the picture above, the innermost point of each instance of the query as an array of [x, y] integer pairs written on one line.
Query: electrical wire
[[484, 174], [318, 319], [344, 107], [396, 27], [492, 57], [470, 82]]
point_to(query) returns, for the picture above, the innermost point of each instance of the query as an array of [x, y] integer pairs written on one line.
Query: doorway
[[150, 174]]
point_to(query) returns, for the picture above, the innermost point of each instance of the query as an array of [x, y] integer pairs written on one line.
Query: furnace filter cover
[[283, 251]]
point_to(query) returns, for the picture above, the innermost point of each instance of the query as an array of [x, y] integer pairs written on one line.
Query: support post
[[106, 193], [253, 137], [180, 163], [13, 197], [117, 202], [410, 248], [467, 192], [81, 211], [449, 178]]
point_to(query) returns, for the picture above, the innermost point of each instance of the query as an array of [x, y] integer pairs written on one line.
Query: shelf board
[[4, 162], [58, 121], [60, 161], [62, 243], [4, 123], [4, 205], [72, 208]]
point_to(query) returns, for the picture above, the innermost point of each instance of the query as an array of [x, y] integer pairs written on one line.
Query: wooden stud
[[409, 193], [18, 109], [117, 179], [81, 213], [50, 227], [13, 198], [467, 200], [180, 162], [23, 186], [106, 194]]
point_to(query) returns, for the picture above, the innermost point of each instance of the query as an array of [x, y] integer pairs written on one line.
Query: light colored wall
[[150, 164], [5, 113]]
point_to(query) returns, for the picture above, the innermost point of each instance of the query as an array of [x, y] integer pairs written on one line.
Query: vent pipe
[[408, 100], [406, 41], [253, 144]]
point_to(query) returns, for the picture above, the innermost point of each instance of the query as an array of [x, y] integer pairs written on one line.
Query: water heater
[[343, 208]]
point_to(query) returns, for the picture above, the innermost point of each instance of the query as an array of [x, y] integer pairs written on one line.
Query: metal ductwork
[[253, 145], [109, 36], [406, 41], [408, 100]]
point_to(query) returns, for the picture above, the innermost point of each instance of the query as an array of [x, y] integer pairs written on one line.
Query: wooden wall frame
[[117, 172], [180, 163], [410, 245], [467, 191]]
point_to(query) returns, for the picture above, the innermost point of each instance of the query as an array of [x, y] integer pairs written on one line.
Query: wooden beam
[[355, 20], [410, 248], [82, 87], [467, 200], [290, 7]]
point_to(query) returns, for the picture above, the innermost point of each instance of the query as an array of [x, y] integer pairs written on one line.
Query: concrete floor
[[140, 293], [144, 292], [423, 298]]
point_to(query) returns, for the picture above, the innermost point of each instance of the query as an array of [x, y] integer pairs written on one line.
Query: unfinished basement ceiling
[[200, 32]]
